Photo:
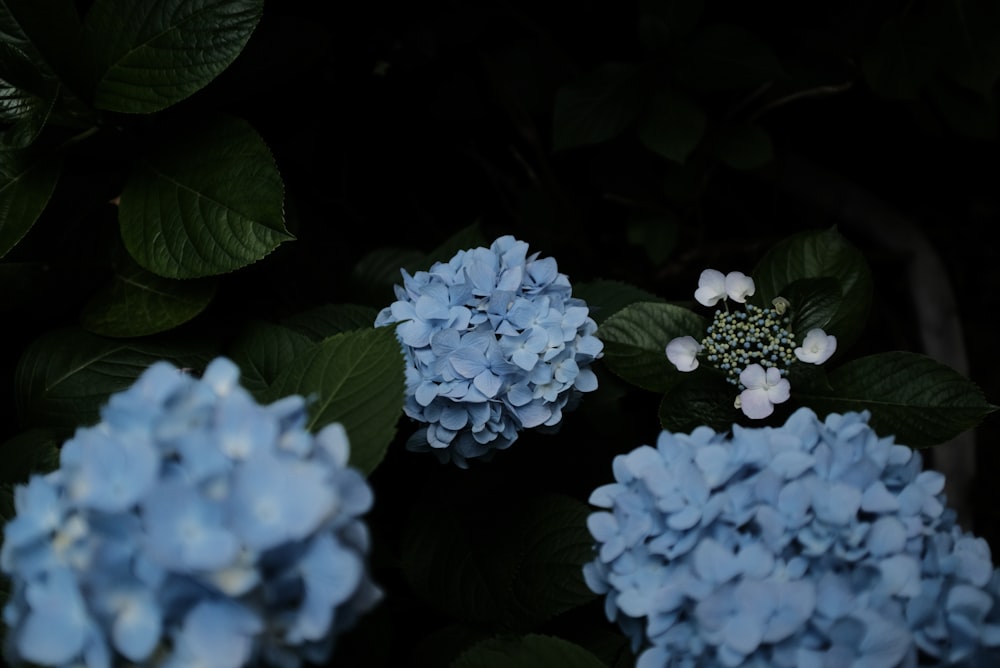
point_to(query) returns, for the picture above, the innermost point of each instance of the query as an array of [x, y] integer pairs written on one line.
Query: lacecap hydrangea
[[810, 545], [494, 343], [190, 527]]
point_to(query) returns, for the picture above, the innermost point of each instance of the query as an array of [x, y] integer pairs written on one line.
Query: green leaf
[[597, 108], [662, 23], [911, 396], [699, 399], [329, 319], [374, 275], [635, 341], [48, 32], [818, 254], [441, 646], [263, 351], [207, 201], [726, 57], [606, 297], [656, 235], [966, 112], [355, 378], [813, 303], [672, 125], [470, 236], [138, 303], [150, 55], [31, 451], [530, 651], [66, 375], [26, 98], [900, 62], [26, 185], [745, 146], [513, 568]]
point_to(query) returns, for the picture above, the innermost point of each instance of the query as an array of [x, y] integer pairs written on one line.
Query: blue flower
[[190, 526], [494, 343], [814, 544]]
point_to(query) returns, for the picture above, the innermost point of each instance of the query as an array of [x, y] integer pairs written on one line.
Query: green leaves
[[64, 377], [148, 56], [828, 286], [26, 184], [530, 651], [514, 569], [355, 378], [913, 397], [597, 108], [818, 254], [206, 200], [138, 303], [636, 337], [672, 125]]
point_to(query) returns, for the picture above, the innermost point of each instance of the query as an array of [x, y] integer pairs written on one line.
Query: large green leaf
[[66, 375], [328, 319], [26, 185], [47, 32], [635, 341], [818, 254], [516, 569], [723, 56], [606, 297], [354, 378], [662, 23], [138, 303], [911, 396], [208, 200], [263, 351], [672, 125], [150, 55], [375, 273], [699, 399], [530, 651], [744, 146], [902, 59], [27, 96], [813, 303], [29, 452], [596, 108]]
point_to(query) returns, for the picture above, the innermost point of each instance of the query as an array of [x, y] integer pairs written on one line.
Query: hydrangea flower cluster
[[809, 545], [494, 343], [190, 527], [753, 347]]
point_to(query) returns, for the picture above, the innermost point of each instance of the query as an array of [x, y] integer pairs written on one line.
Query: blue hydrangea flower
[[494, 343], [810, 545], [190, 527]]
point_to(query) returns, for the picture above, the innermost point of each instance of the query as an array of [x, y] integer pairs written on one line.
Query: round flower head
[[816, 543], [494, 343], [190, 526]]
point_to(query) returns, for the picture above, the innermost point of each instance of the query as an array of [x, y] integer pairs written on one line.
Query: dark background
[[399, 124]]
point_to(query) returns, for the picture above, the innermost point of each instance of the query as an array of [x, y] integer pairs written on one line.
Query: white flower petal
[[711, 287], [739, 286], [817, 347], [683, 353], [753, 377], [755, 404]]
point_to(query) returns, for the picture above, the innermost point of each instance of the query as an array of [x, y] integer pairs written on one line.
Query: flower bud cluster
[[816, 543], [494, 343], [190, 527], [753, 347], [736, 339]]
